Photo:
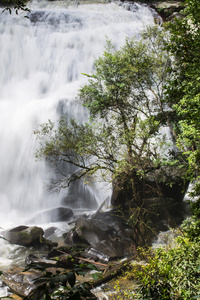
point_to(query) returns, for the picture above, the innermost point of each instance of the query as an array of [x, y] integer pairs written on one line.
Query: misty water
[[42, 61]]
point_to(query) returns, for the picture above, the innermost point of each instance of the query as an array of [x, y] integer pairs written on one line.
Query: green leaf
[[92, 267], [96, 275]]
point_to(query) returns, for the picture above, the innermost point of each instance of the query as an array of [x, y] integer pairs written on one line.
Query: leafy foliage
[[184, 89], [191, 226], [172, 274], [124, 97], [15, 5]]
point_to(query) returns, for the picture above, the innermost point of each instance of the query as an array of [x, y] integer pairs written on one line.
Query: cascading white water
[[42, 61]]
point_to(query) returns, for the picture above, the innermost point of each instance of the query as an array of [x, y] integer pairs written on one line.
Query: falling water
[[42, 61]]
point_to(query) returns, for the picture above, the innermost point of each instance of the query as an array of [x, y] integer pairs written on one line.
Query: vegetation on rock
[[174, 272]]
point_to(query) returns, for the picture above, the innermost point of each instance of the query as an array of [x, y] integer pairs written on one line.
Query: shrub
[[172, 274]]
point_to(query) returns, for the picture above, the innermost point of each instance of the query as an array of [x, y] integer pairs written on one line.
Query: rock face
[[106, 236], [168, 10], [160, 193], [26, 236], [160, 183]]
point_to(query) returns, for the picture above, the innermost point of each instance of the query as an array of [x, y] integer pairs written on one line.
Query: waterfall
[[42, 61]]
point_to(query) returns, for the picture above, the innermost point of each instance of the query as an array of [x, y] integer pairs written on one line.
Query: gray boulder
[[163, 182], [20, 282], [105, 241], [46, 263], [27, 236]]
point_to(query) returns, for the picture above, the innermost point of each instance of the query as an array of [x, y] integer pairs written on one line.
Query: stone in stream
[[49, 231], [20, 282], [108, 241], [43, 262], [27, 236], [60, 261]]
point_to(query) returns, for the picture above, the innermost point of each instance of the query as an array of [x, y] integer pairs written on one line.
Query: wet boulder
[[162, 183], [60, 261], [92, 230], [105, 241], [21, 282], [43, 262], [73, 238], [27, 236], [168, 10], [112, 249], [49, 231]]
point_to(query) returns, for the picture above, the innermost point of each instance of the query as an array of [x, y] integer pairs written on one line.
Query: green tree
[[174, 273], [124, 97], [184, 89], [14, 4]]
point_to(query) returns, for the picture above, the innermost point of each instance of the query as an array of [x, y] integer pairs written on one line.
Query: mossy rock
[[25, 236]]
